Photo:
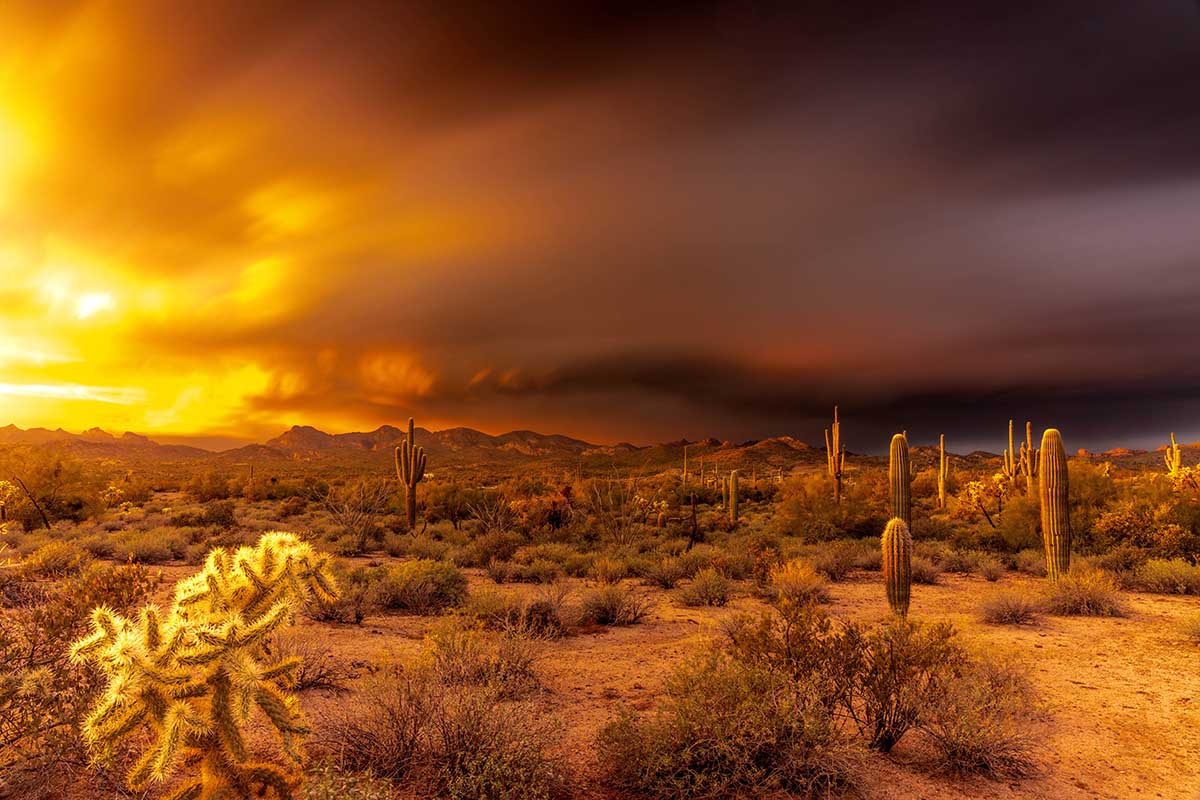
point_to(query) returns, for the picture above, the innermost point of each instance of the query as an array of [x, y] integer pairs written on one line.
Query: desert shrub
[[609, 570], [612, 605], [727, 729], [1122, 560], [798, 581], [925, 571], [293, 506], [980, 723], [493, 546], [1010, 607], [55, 560], [425, 547], [420, 587], [1032, 561], [806, 509], [890, 672], [154, 546], [319, 667], [43, 695], [1020, 526], [1175, 576], [405, 727], [664, 572], [329, 783], [500, 571], [538, 617], [351, 606], [836, 560], [708, 588], [1088, 592], [461, 654], [1189, 628], [991, 568]]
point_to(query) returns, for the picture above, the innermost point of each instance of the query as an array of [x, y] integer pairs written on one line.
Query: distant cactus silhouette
[[900, 476], [897, 565], [943, 471], [193, 677], [733, 496], [685, 465], [835, 455], [1056, 521], [410, 469]]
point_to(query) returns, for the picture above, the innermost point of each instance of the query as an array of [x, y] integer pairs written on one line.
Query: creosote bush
[[798, 581], [1173, 576]]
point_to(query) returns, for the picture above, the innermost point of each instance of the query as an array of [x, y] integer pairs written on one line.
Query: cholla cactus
[[193, 677], [410, 468]]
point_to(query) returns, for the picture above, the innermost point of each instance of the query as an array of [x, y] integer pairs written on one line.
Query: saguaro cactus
[[1010, 466], [1029, 458], [733, 496], [1056, 521], [897, 565], [943, 471], [193, 678], [685, 465], [725, 492], [410, 469], [900, 477], [1173, 458], [835, 455]]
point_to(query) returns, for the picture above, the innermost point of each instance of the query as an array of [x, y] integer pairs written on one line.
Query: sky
[[623, 221]]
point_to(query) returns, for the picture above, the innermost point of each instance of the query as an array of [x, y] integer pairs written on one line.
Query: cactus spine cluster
[[943, 471], [1056, 521], [193, 677], [410, 469], [835, 455], [900, 477], [733, 496], [897, 565]]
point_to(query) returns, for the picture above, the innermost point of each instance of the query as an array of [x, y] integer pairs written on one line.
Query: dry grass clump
[[55, 560], [925, 571], [543, 616], [981, 723], [609, 570], [991, 568], [798, 581], [463, 655], [434, 741], [319, 667], [1087, 593], [1011, 607], [708, 588], [665, 572], [420, 587], [612, 605], [1032, 561], [1189, 628]]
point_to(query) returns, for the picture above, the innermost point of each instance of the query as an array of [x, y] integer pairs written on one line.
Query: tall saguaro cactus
[[943, 471], [1010, 466], [685, 465], [1029, 458], [1173, 458], [835, 455], [410, 469], [1056, 520], [191, 679], [900, 477], [897, 565], [733, 496]]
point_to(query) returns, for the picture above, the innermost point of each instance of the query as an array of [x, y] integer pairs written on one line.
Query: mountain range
[[463, 447]]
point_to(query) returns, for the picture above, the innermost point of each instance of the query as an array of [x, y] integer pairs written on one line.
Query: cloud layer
[[614, 222]]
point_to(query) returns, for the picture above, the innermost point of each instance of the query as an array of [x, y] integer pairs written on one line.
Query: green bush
[[421, 586]]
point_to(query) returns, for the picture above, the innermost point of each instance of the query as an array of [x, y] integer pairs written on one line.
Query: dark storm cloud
[[646, 221]]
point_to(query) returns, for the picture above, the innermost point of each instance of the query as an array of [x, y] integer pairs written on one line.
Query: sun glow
[[91, 303]]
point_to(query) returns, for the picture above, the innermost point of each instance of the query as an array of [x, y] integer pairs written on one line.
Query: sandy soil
[[1122, 695]]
